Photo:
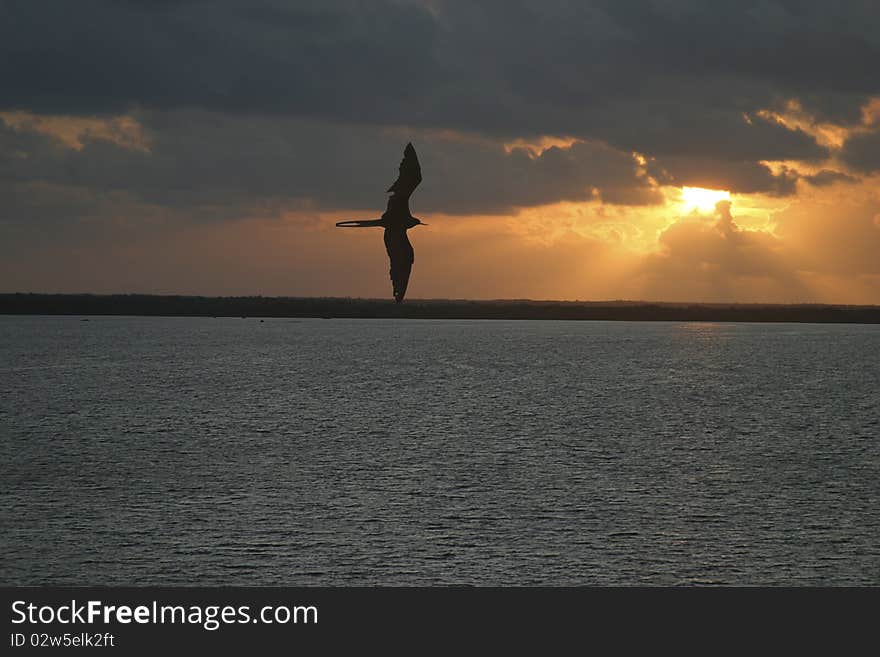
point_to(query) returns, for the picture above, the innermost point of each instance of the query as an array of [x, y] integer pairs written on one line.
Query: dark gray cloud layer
[[225, 164], [742, 176], [862, 152], [251, 102], [827, 177], [658, 77], [99, 56]]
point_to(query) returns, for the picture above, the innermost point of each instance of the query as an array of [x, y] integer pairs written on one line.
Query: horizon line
[[415, 300]]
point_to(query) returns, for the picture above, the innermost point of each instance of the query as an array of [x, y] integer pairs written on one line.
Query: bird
[[396, 220]]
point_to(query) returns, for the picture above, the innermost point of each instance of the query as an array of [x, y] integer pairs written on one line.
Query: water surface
[[402, 452]]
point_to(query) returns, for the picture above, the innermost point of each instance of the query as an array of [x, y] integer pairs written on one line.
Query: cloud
[[828, 177], [822, 248], [302, 57], [659, 78], [740, 176], [702, 261], [228, 164], [862, 151], [680, 82]]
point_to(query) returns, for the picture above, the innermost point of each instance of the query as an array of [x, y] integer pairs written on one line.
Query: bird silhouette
[[396, 220]]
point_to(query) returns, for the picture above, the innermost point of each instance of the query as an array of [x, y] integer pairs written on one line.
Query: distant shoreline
[[352, 308]]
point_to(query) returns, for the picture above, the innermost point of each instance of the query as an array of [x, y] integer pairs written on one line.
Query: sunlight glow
[[536, 147], [702, 200]]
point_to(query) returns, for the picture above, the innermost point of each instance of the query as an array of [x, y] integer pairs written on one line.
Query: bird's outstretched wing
[[407, 180], [401, 254]]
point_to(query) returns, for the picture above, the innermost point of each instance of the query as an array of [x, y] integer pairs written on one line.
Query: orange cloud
[[73, 131]]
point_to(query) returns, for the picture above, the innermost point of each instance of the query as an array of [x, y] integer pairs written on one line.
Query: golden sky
[[567, 153]]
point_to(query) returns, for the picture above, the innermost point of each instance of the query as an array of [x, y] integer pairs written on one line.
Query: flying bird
[[397, 220]]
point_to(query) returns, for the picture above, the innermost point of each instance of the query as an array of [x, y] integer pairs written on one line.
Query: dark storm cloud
[[226, 164], [742, 176], [862, 152], [796, 44], [274, 99], [827, 177], [99, 56], [505, 68], [670, 129]]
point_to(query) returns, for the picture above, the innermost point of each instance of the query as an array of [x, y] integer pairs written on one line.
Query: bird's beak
[[422, 223]]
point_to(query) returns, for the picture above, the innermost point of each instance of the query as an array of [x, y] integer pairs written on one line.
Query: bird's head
[[419, 222]]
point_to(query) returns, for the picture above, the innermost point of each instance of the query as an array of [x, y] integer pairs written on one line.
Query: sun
[[701, 199]]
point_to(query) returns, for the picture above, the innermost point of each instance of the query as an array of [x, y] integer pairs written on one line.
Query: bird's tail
[[362, 223]]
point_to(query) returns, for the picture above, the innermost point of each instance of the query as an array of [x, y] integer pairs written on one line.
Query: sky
[[674, 150]]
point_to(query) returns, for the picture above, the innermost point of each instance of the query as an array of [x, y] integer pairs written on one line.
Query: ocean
[[146, 450]]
